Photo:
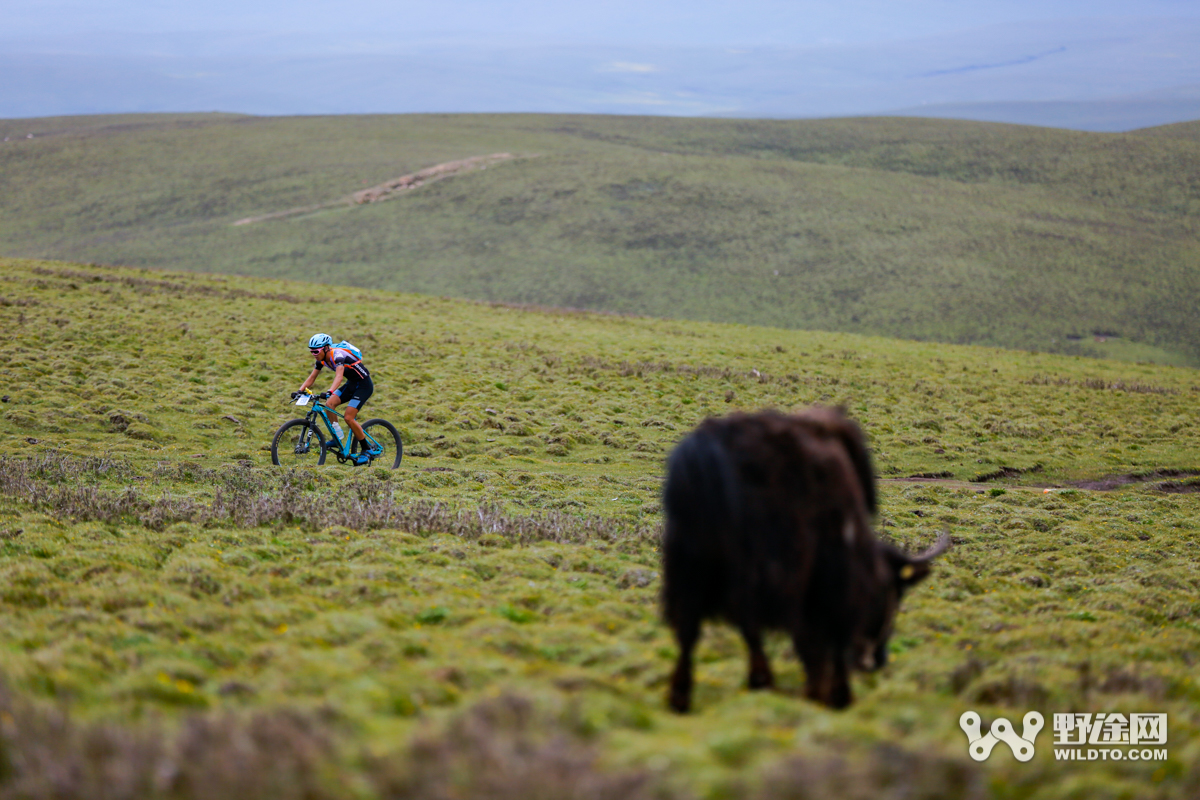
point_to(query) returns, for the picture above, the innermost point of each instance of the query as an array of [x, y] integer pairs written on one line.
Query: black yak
[[768, 527]]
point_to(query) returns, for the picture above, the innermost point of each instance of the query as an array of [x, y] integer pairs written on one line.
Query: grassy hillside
[[1180, 130], [486, 616], [924, 229]]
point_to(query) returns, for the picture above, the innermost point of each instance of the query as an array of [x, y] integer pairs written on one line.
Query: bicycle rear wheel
[[298, 444], [388, 437]]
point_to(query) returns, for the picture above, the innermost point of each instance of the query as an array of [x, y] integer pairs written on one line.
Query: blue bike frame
[[342, 446]]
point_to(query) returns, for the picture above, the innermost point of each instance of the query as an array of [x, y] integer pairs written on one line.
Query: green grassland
[[1179, 130], [483, 621], [930, 230]]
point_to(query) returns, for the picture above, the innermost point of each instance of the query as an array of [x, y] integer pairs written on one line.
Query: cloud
[[626, 66]]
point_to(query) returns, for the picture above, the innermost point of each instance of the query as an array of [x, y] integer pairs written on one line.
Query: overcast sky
[[777, 58], [351, 24]]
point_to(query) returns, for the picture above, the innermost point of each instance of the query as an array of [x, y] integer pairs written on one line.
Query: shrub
[[277, 755], [503, 749]]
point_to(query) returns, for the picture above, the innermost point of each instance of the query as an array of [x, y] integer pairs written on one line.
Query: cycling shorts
[[355, 393]]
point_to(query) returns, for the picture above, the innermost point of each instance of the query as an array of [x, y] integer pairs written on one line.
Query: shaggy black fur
[[768, 527]]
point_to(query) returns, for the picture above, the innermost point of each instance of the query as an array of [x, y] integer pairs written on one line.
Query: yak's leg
[[760, 667], [827, 681], [687, 633], [839, 695]]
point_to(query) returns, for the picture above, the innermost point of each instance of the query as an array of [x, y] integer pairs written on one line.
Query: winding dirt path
[[390, 189]]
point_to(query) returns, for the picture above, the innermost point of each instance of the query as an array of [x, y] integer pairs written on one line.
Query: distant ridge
[[936, 230], [1179, 130], [1112, 115]]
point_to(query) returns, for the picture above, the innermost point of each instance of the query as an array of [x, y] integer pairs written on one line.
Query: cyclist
[[354, 392]]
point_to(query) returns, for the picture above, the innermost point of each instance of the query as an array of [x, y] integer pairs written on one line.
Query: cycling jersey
[[355, 369]]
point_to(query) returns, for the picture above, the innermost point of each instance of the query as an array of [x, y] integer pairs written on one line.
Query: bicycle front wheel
[[298, 444], [388, 437]]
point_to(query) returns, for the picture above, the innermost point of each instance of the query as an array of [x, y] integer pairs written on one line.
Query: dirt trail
[[1104, 484], [955, 484], [392, 188], [1110, 482]]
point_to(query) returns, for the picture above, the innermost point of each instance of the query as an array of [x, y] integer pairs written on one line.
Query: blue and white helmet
[[319, 340]]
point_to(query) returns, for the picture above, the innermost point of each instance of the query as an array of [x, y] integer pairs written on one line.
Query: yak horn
[[939, 547]]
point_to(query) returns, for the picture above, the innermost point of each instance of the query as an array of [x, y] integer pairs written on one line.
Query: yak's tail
[[701, 503]]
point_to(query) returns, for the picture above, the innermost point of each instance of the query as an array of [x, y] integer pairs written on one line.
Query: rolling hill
[[1078, 243], [1180, 130]]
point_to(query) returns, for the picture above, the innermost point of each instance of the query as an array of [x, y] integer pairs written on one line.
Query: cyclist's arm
[[338, 377], [312, 377]]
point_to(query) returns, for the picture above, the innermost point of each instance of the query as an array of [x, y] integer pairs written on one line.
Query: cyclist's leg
[[358, 395], [350, 415], [351, 394], [363, 389]]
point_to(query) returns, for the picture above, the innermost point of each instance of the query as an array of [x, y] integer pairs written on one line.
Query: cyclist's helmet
[[319, 340]]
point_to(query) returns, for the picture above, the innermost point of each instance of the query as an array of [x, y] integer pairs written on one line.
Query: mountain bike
[[301, 442]]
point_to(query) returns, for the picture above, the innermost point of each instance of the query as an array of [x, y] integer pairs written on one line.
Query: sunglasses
[[316, 351]]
